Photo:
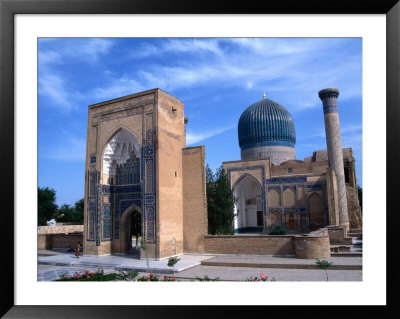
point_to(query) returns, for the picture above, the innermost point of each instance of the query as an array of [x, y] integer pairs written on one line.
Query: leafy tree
[[67, 213], [47, 206], [220, 202], [359, 195]]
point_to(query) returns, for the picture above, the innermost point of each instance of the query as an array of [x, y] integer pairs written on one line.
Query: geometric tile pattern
[[149, 181]]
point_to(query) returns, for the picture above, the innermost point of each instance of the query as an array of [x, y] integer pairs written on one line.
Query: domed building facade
[[266, 129], [273, 188]]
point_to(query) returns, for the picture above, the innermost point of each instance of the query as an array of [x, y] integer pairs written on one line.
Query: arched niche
[[120, 148], [274, 219], [274, 198], [289, 197], [315, 211], [248, 191]]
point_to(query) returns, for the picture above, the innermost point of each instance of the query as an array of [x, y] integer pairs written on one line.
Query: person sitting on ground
[[69, 249]]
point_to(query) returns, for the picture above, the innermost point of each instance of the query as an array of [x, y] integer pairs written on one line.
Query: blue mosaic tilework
[[149, 181], [266, 122], [149, 199], [148, 151], [282, 180], [314, 186], [129, 172], [106, 222], [277, 188], [330, 109], [118, 189]]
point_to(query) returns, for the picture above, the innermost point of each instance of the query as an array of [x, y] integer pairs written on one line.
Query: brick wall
[[170, 141], [194, 200], [247, 244], [64, 229], [50, 241]]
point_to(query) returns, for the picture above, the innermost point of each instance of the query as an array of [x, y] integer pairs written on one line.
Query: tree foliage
[[220, 202], [47, 206], [70, 214]]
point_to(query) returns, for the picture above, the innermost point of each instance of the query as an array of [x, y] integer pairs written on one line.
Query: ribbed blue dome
[[266, 123]]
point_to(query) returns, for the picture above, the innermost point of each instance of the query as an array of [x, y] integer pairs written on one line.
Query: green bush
[[277, 230], [206, 278]]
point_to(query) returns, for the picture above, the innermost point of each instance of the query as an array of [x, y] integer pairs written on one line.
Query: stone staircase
[[353, 250]]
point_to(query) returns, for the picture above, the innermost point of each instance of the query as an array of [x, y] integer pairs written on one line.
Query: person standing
[[78, 250]]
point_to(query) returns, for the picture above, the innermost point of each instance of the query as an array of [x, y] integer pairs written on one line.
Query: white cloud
[[119, 87], [192, 138], [52, 87], [178, 46]]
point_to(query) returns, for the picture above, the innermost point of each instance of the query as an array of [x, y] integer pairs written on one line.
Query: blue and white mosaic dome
[[266, 123]]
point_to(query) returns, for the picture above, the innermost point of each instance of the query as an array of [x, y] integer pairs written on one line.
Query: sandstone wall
[[65, 229], [50, 241], [195, 222], [169, 143], [247, 244]]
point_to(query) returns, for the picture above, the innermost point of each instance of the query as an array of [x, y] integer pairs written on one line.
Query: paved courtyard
[[53, 264]]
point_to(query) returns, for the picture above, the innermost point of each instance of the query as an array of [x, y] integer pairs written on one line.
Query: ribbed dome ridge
[[266, 123]]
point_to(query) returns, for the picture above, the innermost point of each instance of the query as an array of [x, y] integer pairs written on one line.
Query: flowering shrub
[[89, 276], [152, 277], [262, 277]]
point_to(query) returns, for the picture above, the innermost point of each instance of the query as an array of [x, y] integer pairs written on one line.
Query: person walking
[[78, 250]]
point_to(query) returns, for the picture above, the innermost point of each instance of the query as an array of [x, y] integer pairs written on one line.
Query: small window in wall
[[290, 170], [176, 174], [259, 218]]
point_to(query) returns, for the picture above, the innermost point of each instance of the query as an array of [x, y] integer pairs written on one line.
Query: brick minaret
[[334, 145]]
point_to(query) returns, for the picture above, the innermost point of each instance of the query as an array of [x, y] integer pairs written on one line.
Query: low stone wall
[[312, 247], [250, 244], [315, 245], [50, 241], [338, 236], [64, 229]]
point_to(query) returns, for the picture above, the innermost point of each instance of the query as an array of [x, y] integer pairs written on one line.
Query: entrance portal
[[130, 231]]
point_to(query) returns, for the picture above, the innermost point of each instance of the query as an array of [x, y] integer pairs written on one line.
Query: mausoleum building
[[137, 162]]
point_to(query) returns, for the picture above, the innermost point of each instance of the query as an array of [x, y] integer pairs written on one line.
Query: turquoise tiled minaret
[[334, 144]]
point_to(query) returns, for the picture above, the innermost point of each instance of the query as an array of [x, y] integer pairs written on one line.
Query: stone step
[[346, 248], [278, 265], [347, 254]]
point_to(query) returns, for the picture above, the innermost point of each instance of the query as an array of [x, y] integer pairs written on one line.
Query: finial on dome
[[264, 96]]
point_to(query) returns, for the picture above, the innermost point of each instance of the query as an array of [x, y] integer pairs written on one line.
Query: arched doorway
[[315, 211], [250, 217], [291, 222], [274, 220], [130, 230]]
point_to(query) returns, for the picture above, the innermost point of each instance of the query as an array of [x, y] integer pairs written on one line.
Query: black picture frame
[[8, 9]]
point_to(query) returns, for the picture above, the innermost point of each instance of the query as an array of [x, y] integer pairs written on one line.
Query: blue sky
[[216, 79]]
